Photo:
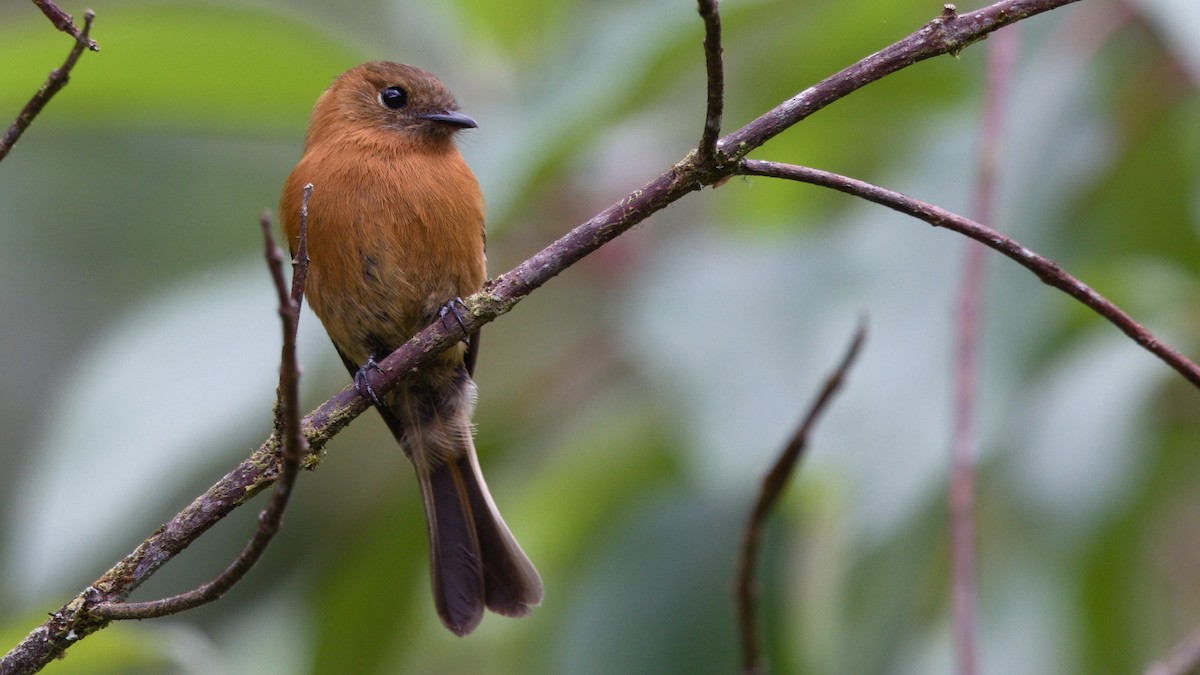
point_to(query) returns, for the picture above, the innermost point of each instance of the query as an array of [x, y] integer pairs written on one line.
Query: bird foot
[[451, 308], [363, 383]]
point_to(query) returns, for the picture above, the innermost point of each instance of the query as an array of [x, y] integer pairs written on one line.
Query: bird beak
[[452, 118]]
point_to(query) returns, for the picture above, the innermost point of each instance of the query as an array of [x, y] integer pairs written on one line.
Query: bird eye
[[394, 97]]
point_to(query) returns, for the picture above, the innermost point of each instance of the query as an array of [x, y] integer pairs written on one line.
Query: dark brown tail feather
[[470, 545], [456, 564], [513, 587]]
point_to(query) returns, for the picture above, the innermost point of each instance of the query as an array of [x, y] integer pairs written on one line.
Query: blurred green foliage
[[628, 408]]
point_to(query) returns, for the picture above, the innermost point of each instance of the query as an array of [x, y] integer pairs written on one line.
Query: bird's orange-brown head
[[386, 97]]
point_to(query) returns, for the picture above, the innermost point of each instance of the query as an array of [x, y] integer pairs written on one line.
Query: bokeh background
[[627, 408]]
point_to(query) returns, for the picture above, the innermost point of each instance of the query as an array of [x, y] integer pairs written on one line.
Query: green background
[[627, 408]]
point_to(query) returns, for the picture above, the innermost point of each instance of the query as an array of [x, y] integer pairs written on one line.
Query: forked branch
[[66, 23], [287, 428], [57, 80]]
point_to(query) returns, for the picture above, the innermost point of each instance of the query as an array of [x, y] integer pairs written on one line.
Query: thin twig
[[300, 260], [707, 150], [66, 23], [1046, 269], [963, 448], [293, 448], [773, 485], [57, 80]]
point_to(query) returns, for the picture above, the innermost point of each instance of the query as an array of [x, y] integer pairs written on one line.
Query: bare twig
[[57, 80], [66, 23], [1046, 269], [963, 447], [300, 260], [773, 484], [716, 80], [287, 427], [961, 494]]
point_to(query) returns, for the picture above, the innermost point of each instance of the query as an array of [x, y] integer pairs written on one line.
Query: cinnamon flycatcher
[[395, 234]]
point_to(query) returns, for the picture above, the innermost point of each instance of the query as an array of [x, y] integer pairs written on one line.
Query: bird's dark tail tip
[[476, 562]]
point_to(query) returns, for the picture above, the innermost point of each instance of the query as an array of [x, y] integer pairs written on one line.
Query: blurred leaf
[[615, 47], [1179, 20], [371, 588], [271, 636], [1138, 208], [170, 389], [525, 28], [180, 65], [1076, 456], [665, 573]]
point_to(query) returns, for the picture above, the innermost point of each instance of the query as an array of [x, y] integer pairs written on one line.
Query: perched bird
[[395, 234]]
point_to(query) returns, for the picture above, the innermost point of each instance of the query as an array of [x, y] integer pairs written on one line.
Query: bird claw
[[451, 308], [363, 383]]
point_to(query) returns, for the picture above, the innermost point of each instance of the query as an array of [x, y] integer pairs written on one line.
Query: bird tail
[[475, 561]]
